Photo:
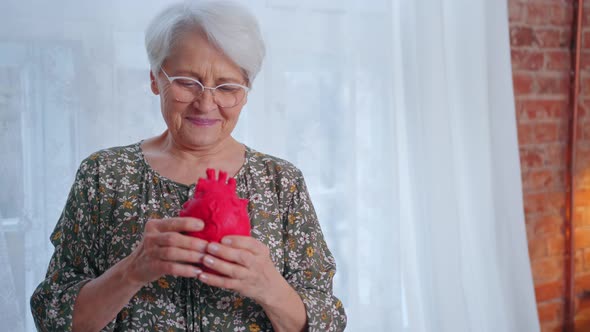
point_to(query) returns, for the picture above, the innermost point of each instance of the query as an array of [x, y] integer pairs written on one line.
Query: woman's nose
[[205, 102]]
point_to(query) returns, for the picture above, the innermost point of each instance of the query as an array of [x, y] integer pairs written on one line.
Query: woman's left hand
[[245, 267]]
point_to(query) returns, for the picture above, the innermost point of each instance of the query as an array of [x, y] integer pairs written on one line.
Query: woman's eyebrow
[[227, 80], [187, 73], [219, 80]]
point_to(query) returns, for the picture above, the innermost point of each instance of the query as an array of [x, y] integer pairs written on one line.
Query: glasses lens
[[229, 95], [225, 95], [186, 90]]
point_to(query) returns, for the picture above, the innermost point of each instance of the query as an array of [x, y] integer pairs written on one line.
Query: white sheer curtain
[[463, 240], [399, 112]]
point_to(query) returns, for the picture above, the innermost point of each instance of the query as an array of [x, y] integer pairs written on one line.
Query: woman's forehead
[[219, 72], [194, 54]]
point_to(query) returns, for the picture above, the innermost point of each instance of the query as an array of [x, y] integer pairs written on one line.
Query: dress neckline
[[239, 173]]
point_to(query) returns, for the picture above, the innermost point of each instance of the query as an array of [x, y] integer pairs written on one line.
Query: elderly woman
[[122, 260]]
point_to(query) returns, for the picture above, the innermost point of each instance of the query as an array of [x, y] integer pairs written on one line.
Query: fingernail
[[203, 276], [194, 222], [198, 271], [209, 260], [213, 247], [202, 246], [226, 240]]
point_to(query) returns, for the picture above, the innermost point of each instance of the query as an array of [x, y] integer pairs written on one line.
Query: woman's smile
[[202, 122]]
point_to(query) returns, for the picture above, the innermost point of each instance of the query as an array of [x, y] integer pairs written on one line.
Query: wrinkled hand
[[245, 267], [164, 250]]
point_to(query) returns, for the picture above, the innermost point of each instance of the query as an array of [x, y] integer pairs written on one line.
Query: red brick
[[582, 324], [555, 155], [552, 38], [547, 155], [546, 132], [521, 36], [555, 85], [516, 12], [586, 255], [552, 13], [529, 230], [531, 157], [582, 238], [547, 269], [586, 14], [582, 179], [581, 130], [551, 327], [582, 198], [542, 109], [583, 303], [550, 311], [527, 60], [578, 262], [523, 83], [556, 245], [585, 85], [549, 290], [586, 39], [581, 216], [584, 130], [526, 134], [558, 60], [549, 224], [582, 281], [551, 202], [583, 155], [563, 133], [585, 61], [537, 180], [537, 248], [583, 107]]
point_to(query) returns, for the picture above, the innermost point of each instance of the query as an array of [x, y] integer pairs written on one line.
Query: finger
[[174, 254], [179, 269], [219, 281], [175, 239], [240, 256], [229, 269], [180, 224], [245, 242]]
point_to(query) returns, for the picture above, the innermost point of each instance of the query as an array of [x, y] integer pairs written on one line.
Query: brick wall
[[582, 186], [541, 35]]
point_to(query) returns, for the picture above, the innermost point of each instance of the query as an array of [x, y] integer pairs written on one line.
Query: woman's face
[[201, 123]]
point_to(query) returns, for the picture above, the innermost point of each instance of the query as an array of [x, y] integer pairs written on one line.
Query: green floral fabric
[[116, 191]]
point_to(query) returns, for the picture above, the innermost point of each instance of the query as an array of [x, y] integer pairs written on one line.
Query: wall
[[541, 39]]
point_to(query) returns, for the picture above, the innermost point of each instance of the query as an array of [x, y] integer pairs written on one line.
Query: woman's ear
[[153, 84]]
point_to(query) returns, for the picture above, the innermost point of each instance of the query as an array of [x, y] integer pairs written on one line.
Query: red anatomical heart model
[[217, 204]]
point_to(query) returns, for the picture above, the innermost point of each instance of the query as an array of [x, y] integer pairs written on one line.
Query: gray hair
[[227, 25]]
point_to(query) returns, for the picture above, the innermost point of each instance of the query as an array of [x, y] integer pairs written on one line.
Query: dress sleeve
[[310, 266], [73, 263]]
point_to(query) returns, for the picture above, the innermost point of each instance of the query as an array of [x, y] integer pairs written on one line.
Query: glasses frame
[[171, 79]]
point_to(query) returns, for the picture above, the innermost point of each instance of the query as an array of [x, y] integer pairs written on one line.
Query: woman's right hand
[[164, 250]]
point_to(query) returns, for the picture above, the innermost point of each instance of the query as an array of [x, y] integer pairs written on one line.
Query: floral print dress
[[116, 191]]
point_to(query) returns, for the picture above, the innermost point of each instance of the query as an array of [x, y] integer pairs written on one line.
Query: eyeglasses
[[186, 90]]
